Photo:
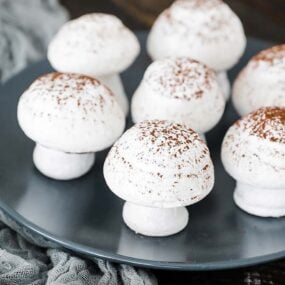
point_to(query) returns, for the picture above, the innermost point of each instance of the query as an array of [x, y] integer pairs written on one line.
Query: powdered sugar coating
[[253, 150], [95, 44], [207, 30], [181, 90], [160, 164], [70, 113], [262, 82]]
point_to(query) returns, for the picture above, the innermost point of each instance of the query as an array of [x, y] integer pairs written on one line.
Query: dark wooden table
[[261, 18]]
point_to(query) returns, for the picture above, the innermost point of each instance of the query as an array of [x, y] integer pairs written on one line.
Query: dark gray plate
[[84, 216]]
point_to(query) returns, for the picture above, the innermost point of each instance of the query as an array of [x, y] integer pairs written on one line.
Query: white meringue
[[253, 153], [61, 165], [262, 82], [159, 164], [208, 31], [155, 221], [181, 90], [69, 113], [114, 82], [263, 202], [96, 45], [224, 82]]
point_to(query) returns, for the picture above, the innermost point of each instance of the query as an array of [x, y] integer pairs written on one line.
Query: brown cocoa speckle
[[272, 56], [266, 123], [180, 79], [179, 18]]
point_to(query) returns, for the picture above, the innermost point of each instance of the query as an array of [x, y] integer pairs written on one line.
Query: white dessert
[[181, 90], [69, 117], [159, 167], [208, 31], [253, 153], [97, 45], [262, 82], [224, 82]]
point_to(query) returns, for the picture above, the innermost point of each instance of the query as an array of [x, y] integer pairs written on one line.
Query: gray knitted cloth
[[26, 26], [22, 263]]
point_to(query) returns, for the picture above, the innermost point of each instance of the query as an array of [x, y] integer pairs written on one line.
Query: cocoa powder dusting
[[198, 4], [266, 123], [167, 134], [183, 78], [272, 55], [82, 80], [172, 140], [71, 89]]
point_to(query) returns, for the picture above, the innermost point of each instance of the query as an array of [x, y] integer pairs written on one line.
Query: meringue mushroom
[[159, 167], [181, 90], [97, 45], [69, 117], [253, 152], [207, 30], [262, 82], [224, 83]]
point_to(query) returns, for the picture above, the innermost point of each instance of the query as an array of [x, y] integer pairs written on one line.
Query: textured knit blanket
[[26, 27]]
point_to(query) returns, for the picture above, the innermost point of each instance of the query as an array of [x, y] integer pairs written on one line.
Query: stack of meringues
[[162, 163]]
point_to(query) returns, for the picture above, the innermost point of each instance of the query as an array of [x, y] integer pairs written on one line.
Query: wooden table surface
[[261, 18]]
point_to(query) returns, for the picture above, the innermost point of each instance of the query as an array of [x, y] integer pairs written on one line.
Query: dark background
[[263, 19]]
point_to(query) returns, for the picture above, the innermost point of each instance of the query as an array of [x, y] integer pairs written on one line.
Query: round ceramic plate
[[83, 215]]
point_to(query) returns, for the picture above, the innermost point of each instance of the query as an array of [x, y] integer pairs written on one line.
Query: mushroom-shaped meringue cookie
[[262, 82], [69, 117], [97, 45], [159, 167], [253, 152], [181, 90], [206, 30]]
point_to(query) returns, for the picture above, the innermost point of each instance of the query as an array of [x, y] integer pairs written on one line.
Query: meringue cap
[[261, 82], [253, 149], [71, 113], [182, 90], [207, 30], [95, 44], [160, 164]]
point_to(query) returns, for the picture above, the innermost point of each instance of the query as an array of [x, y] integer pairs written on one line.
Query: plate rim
[[88, 251]]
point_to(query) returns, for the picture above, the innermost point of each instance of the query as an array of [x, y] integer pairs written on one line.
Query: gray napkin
[[26, 27], [22, 262]]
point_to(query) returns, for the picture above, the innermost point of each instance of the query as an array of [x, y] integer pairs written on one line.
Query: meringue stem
[[155, 221], [259, 201], [114, 82], [60, 165], [223, 80], [203, 137]]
